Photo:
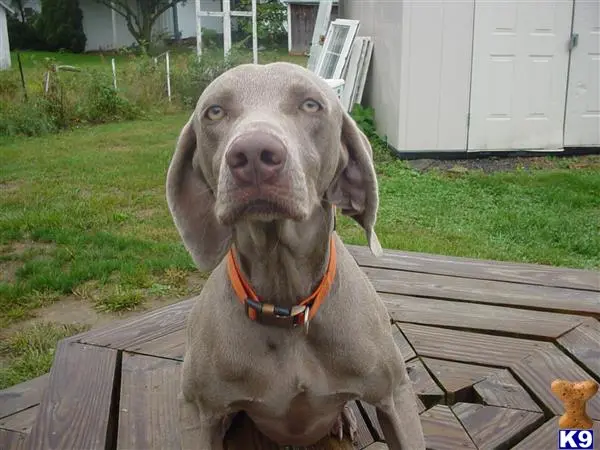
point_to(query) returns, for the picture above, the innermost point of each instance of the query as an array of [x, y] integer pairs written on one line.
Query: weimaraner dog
[[287, 328]]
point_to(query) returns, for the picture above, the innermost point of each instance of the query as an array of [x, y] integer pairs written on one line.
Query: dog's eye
[[215, 112], [311, 106]]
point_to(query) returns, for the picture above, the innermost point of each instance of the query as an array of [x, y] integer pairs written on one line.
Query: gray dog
[[287, 327]]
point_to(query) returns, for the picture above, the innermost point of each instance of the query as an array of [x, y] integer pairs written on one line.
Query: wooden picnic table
[[482, 340]]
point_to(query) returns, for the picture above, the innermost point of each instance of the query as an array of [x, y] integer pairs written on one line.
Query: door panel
[[582, 121], [519, 75]]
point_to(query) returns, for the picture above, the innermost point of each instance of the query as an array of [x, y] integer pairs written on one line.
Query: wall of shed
[[4, 44], [381, 20]]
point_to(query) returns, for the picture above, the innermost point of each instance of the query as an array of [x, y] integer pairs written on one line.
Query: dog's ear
[[192, 204], [354, 190]]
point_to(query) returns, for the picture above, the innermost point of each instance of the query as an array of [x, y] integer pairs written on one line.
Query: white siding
[[4, 45], [435, 74]]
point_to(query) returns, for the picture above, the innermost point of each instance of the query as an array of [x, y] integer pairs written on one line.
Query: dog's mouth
[[262, 209]]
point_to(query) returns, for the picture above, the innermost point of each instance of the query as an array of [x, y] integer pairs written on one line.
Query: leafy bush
[[197, 73], [270, 17], [61, 25], [365, 119], [23, 34]]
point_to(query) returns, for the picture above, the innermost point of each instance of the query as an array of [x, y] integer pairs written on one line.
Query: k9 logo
[[575, 439]]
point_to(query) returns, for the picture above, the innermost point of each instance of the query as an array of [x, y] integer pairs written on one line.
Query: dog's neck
[[284, 260]]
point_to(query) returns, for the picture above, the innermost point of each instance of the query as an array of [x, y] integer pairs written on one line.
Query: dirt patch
[[9, 186], [19, 248], [76, 309], [506, 163], [8, 271]]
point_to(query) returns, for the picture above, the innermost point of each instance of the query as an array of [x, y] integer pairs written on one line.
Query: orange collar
[[300, 314]]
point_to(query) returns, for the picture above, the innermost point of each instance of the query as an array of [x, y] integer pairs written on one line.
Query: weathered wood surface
[[478, 268], [501, 389], [75, 408], [22, 396], [12, 440], [485, 291], [148, 384], [473, 316], [583, 344], [482, 342], [443, 431], [492, 427]]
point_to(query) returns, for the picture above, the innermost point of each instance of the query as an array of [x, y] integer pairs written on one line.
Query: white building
[[4, 44], [107, 30], [483, 75]]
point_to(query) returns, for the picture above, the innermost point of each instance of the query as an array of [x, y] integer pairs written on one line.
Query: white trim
[[226, 15], [321, 25], [289, 25], [344, 52], [6, 7], [226, 26]]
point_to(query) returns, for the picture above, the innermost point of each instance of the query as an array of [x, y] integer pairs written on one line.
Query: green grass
[[84, 212], [38, 59], [29, 352], [539, 216]]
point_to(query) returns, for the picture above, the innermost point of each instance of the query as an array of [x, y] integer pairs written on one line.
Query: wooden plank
[[364, 437], [406, 350], [22, 396], [546, 436], [132, 332], [539, 370], [443, 431], [171, 345], [464, 346], [148, 407], [243, 435], [583, 344], [501, 389], [427, 311], [484, 291], [478, 268], [377, 446], [11, 440], [21, 421], [74, 412], [456, 378], [370, 415], [491, 427], [425, 387]]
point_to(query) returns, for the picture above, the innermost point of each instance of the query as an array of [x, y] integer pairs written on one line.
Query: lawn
[[84, 216]]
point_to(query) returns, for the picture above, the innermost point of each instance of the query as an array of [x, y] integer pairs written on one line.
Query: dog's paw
[[346, 421]]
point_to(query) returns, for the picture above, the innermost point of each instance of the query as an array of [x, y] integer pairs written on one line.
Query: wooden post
[[114, 71], [198, 29], [22, 77], [254, 34], [226, 26], [168, 75]]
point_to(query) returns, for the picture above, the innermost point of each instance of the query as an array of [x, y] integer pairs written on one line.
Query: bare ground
[[506, 163]]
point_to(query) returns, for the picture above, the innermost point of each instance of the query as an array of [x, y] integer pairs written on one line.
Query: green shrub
[[365, 119], [270, 17], [61, 25], [195, 74], [24, 34]]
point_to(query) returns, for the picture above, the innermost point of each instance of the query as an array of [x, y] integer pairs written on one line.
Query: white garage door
[[519, 75], [582, 127]]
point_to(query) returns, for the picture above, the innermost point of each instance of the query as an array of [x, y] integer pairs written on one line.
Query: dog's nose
[[256, 158]]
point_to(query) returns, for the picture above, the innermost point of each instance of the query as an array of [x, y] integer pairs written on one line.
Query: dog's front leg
[[200, 430], [398, 416]]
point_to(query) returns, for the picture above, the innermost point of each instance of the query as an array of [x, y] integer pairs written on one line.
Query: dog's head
[[267, 142]]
